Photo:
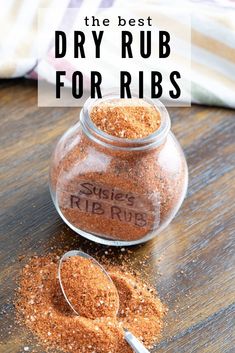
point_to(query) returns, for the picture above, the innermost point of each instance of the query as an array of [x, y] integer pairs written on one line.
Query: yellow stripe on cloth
[[212, 74], [7, 69], [213, 45]]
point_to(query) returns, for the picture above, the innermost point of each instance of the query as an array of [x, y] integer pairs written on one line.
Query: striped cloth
[[213, 41]]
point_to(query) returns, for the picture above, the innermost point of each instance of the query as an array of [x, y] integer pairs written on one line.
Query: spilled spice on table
[[42, 308]]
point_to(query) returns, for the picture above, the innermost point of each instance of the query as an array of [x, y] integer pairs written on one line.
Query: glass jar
[[113, 190]]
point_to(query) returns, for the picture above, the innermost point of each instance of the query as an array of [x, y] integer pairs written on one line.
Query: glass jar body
[[114, 196]]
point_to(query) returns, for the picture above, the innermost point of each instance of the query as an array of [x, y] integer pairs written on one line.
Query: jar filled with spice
[[119, 176]]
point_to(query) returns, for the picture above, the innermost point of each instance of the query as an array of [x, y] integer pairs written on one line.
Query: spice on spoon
[[88, 288], [42, 308]]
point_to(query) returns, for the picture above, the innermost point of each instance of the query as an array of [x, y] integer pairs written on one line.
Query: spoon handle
[[135, 344]]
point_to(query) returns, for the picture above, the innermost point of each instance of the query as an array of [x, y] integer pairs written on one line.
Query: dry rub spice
[[114, 193], [88, 289], [42, 308], [130, 119]]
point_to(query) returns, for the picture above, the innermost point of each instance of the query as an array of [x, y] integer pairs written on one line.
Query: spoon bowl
[[135, 344], [82, 254]]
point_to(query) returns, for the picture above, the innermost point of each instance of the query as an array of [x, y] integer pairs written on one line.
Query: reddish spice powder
[[118, 194], [88, 289], [42, 308], [130, 119]]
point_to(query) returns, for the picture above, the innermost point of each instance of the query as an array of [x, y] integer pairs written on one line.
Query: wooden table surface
[[191, 262]]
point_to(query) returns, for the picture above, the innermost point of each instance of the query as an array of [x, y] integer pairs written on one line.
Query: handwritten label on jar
[[99, 200]]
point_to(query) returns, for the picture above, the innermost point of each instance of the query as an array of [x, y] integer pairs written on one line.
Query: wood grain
[[191, 262]]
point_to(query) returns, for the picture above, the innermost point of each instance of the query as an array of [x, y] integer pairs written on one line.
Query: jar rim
[[94, 133]]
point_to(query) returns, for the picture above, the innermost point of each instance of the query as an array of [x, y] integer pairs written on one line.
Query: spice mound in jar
[[126, 118], [91, 293], [42, 308]]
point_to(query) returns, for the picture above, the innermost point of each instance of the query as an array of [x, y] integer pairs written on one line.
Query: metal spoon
[[135, 344]]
